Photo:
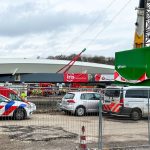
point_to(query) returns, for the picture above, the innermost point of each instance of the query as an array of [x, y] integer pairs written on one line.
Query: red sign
[[99, 77], [75, 77]]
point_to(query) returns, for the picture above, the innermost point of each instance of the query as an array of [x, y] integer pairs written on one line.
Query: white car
[[17, 109], [80, 103]]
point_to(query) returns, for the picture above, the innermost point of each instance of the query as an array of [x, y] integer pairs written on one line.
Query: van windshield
[[14, 97], [112, 92]]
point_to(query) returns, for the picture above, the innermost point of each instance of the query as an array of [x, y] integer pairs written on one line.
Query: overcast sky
[[31, 28]]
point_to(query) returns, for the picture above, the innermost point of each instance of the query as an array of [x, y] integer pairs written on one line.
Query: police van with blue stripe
[[19, 110]]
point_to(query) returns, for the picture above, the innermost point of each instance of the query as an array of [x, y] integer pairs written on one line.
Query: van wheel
[[136, 114], [80, 111], [19, 114]]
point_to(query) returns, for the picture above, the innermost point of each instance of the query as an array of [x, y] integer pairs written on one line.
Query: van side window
[[14, 97], [137, 93], [2, 99], [121, 94], [145, 93], [88, 96], [83, 96], [97, 96], [112, 92]]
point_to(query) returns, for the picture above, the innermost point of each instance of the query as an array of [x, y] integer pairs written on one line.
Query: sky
[[42, 28]]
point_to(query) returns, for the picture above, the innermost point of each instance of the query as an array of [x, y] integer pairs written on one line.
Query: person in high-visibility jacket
[[24, 95]]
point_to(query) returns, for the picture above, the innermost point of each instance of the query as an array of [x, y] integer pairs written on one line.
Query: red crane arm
[[71, 63]]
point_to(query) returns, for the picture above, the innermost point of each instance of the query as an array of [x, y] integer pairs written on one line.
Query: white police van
[[129, 101], [17, 109]]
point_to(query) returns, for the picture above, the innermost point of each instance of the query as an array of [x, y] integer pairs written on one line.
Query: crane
[[139, 31], [147, 23], [66, 68], [131, 70], [142, 31]]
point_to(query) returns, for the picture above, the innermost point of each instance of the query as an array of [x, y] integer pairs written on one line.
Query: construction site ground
[[58, 131]]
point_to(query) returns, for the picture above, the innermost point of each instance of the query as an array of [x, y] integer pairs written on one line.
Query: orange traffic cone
[[83, 145]]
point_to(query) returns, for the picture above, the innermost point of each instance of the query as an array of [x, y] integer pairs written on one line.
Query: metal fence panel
[[51, 128]]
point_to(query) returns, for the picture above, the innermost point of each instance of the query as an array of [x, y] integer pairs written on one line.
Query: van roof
[[137, 87], [4, 88], [7, 89], [115, 86], [81, 92], [129, 87]]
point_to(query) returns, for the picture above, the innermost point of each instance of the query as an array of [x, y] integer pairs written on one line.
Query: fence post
[[148, 120], [100, 146]]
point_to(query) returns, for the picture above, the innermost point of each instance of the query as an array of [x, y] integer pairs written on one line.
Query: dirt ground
[[62, 132]]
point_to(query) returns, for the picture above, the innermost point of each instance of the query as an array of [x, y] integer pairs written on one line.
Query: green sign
[[132, 64]]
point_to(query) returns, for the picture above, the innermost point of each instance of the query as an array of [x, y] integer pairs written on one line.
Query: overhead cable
[[110, 22], [89, 26]]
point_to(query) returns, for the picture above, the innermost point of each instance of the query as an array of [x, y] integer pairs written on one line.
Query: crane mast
[[146, 23], [142, 31], [139, 31]]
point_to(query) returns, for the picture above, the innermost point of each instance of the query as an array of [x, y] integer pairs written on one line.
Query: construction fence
[[38, 118]]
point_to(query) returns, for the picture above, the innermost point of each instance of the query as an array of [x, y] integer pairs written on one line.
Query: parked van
[[9, 93], [130, 101], [13, 95], [19, 110]]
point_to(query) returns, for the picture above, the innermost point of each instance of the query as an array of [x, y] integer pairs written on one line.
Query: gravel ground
[[62, 132]]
